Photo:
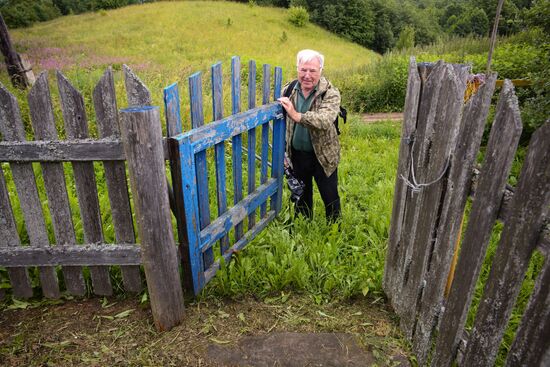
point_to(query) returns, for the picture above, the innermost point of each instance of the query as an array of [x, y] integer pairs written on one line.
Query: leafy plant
[[298, 16]]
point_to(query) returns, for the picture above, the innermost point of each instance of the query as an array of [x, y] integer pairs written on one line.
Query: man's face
[[309, 74]]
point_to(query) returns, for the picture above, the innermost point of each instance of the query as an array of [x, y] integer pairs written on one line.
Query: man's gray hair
[[308, 55]]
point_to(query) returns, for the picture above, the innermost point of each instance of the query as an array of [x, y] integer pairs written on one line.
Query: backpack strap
[[290, 88]]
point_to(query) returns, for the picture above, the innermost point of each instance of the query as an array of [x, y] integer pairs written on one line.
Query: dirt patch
[[374, 117], [121, 332]]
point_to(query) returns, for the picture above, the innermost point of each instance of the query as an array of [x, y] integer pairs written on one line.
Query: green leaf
[[124, 314]]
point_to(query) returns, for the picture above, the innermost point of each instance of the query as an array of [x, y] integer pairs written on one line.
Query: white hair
[[308, 55]]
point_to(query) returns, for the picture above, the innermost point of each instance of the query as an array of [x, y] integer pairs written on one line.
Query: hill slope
[[181, 37]]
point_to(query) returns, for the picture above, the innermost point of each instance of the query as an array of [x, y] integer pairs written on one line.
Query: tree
[[406, 38]]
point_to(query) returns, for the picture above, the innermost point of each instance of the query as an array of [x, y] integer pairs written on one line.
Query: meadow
[[167, 41]]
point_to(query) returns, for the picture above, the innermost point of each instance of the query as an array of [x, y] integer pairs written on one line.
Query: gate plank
[[251, 139], [532, 342], [19, 277], [278, 150], [446, 111], [499, 156], [237, 140], [43, 122], [76, 127], [464, 156], [173, 128], [530, 208], [12, 129], [197, 120], [104, 99], [137, 93], [219, 148], [391, 269], [265, 134]]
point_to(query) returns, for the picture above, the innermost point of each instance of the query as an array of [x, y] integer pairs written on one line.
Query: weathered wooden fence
[[441, 138], [142, 144]]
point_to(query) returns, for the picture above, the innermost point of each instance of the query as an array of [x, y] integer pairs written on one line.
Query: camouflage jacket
[[320, 122]]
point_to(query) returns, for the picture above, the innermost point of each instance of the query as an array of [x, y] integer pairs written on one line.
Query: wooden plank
[[531, 206], [137, 93], [266, 85], [207, 136], [190, 200], [251, 139], [499, 156], [532, 341], [76, 127], [391, 269], [219, 149], [74, 255], [412, 201], [444, 110], [43, 122], [219, 227], [278, 151], [237, 140], [173, 128], [474, 118], [106, 110], [62, 151], [12, 129], [142, 136], [19, 277], [197, 120]]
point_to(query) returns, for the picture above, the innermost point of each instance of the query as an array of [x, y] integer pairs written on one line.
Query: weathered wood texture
[[16, 70], [76, 127], [499, 156], [531, 346], [142, 136], [463, 158], [43, 122], [441, 108], [395, 247], [237, 140], [266, 81], [106, 110], [530, 208], [251, 138], [12, 129]]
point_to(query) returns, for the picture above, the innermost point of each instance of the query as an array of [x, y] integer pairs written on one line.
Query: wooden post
[[13, 62], [142, 139]]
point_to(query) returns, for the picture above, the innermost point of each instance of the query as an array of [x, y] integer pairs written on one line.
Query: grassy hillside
[[173, 39]]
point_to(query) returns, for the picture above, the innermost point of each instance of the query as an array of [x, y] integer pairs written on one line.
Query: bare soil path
[[294, 331], [382, 116]]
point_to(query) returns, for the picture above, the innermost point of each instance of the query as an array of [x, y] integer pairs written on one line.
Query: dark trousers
[[306, 168]]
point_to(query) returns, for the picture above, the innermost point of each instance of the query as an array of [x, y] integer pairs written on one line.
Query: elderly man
[[311, 137]]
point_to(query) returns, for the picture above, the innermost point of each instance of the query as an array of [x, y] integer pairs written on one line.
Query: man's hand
[[289, 108]]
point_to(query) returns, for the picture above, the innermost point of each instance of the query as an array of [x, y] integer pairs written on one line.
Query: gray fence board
[[12, 129], [62, 151], [42, 119], [531, 206], [115, 175], [499, 156], [532, 340], [19, 277], [464, 155], [410, 217], [136, 92], [76, 127], [445, 110], [395, 247], [74, 255]]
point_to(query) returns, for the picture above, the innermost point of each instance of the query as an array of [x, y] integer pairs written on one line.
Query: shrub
[[298, 16]]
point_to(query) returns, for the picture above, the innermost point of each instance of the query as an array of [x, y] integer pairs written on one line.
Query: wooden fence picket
[[501, 148], [251, 139], [106, 110], [237, 140], [76, 127], [12, 129], [530, 208], [454, 201], [42, 119], [265, 134]]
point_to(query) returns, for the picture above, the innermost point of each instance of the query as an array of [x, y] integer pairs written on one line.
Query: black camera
[[295, 185]]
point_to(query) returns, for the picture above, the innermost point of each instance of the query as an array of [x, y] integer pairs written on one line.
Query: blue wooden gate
[[191, 157]]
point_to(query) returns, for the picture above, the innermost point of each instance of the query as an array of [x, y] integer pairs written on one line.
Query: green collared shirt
[[302, 139]]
